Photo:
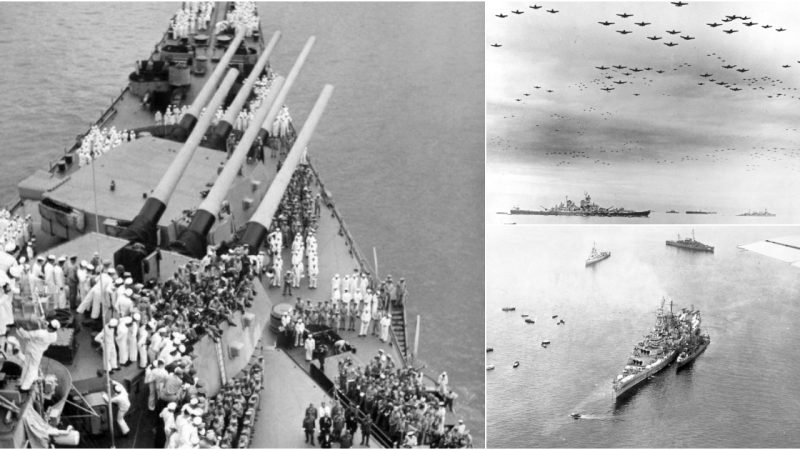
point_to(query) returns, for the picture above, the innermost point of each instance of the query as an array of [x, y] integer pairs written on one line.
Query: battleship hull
[[704, 248], [682, 362], [630, 385], [581, 213]]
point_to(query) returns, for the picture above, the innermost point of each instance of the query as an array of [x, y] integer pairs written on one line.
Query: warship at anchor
[[585, 208]]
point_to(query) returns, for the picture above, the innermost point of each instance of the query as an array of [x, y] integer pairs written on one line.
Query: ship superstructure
[[596, 256], [693, 340], [763, 213]]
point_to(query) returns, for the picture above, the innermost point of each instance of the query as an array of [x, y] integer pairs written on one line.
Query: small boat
[[530, 321], [525, 315], [555, 316], [672, 211], [575, 416], [490, 367], [545, 343], [489, 349], [516, 364], [560, 322], [509, 308]]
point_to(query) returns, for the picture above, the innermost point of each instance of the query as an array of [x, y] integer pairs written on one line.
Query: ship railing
[[354, 250]]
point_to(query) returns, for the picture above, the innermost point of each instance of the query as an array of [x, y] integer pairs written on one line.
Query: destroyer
[[693, 340], [586, 208], [655, 352], [691, 244], [595, 257]]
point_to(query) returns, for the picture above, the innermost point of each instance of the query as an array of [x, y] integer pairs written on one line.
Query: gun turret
[[142, 231], [223, 128], [259, 223], [192, 241], [189, 120]]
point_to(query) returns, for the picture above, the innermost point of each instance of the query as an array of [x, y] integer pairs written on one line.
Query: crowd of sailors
[[192, 18], [99, 141], [241, 15], [383, 397], [15, 231]]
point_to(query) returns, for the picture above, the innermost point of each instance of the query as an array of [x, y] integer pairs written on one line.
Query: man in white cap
[[366, 316], [124, 303], [34, 344], [60, 282], [123, 403], [49, 278], [122, 340], [133, 338], [310, 345], [82, 276], [6, 309], [167, 415], [106, 339], [7, 259], [92, 301], [154, 377]]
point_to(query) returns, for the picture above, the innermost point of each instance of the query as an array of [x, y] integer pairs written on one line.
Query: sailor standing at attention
[[309, 346], [35, 343], [60, 283], [133, 338]]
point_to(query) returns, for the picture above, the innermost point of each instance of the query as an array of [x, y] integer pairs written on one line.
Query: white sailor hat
[[118, 388], [15, 271], [125, 320], [83, 263], [118, 282], [51, 257], [129, 292], [128, 281], [111, 270], [171, 406], [197, 421], [194, 440], [90, 267], [62, 259], [13, 340], [40, 258], [182, 348], [10, 247], [22, 259], [137, 317], [55, 324], [193, 401], [113, 323]]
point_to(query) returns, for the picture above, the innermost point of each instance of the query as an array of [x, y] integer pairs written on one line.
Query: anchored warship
[[655, 352], [595, 256], [693, 340], [764, 213], [691, 244], [585, 208], [219, 190]]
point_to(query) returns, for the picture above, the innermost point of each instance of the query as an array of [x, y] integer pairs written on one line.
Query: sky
[[682, 132]]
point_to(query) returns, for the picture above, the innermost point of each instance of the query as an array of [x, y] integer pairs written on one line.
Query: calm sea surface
[[400, 146], [742, 392]]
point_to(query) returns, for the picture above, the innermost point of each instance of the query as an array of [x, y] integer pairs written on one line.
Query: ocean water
[[400, 146], [740, 393]]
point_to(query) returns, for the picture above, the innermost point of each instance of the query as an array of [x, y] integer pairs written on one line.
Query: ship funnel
[[279, 102], [192, 240], [143, 227], [189, 120], [259, 223], [223, 128]]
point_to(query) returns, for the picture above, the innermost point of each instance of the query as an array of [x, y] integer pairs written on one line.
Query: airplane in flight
[[501, 15], [642, 23], [535, 6], [601, 67], [744, 18], [653, 38], [714, 25], [670, 44], [623, 32], [736, 89], [742, 70], [729, 66], [497, 45], [766, 26], [618, 67], [636, 69], [679, 3], [706, 75], [625, 15], [673, 32], [620, 82], [607, 89], [780, 29], [731, 31], [786, 66], [750, 24], [552, 11], [518, 12], [687, 38], [608, 77], [606, 23]]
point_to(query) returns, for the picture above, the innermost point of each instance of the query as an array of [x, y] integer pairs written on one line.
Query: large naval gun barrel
[[223, 128], [143, 227], [259, 223], [265, 129], [192, 240], [189, 120]]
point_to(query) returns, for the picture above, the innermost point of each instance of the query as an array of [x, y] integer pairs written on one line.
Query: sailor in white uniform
[[106, 339], [123, 403], [34, 344]]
